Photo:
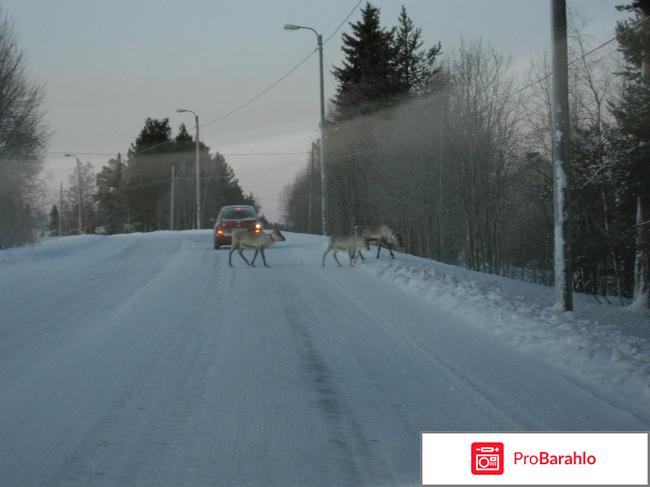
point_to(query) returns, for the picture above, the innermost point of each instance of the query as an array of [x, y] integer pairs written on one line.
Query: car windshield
[[238, 213]]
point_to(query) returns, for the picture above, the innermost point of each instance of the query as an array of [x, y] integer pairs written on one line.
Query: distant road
[[145, 360]]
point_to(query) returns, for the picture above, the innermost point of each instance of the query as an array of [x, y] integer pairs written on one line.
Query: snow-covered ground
[[144, 359], [605, 344]]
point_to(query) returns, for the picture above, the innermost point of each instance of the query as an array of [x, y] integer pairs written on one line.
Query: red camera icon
[[487, 458]]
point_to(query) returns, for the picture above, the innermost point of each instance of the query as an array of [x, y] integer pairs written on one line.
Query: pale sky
[[109, 65]]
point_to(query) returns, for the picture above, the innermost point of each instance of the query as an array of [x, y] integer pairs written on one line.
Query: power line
[[214, 178], [83, 153], [137, 186], [230, 154], [580, 58], [261, 93], [272, 168], [294, 68], [207, 178], [283, 77], [250, 100], [344, 21], [233, 154]]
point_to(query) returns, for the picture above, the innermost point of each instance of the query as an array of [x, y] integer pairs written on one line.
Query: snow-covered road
[[145, 360]]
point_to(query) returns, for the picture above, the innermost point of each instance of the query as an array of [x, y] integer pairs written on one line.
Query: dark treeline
[[134, 194], [457, 157], [131, 193]]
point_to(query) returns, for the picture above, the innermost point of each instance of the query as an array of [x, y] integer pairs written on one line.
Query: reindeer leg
[[327, 251], [264, 258], [257, 251], [390, 249], [378, 248], [361, 255], [232, 249], [351, 256], [337, 259], [241, 253]]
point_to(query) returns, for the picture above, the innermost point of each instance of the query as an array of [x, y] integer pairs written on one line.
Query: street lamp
[[79, 182], [323, 180], [198, 177]]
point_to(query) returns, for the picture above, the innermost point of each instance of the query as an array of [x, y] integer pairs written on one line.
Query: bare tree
[[22, 141], [482, 147]]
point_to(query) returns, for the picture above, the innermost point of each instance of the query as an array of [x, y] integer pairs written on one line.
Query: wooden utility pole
[[79, 195], [311, 185], [60, 207], [171, 204], [560, 138]]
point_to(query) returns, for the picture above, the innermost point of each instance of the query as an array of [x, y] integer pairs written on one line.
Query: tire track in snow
[[319, 376]]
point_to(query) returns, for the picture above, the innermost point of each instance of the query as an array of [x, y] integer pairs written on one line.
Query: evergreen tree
[[221, 187], [368, 79], [184, 140], [54, 219], [632, 140], [148, 168], [147, 192], [112, 210], [415, 66]]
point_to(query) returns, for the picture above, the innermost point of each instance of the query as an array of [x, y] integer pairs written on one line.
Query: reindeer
[[382, 235], [351, 244], [258, 241]]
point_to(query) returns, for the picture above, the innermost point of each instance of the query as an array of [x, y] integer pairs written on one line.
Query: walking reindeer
[[258, 241], [350, 243], [382, 235]]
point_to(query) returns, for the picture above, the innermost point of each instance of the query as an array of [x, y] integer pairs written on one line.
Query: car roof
[[237, 206]]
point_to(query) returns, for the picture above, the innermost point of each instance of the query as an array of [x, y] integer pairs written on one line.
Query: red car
[[232, 218]]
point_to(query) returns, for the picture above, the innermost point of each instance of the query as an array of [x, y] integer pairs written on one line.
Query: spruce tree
[[147, 192], [368, 79], [414, 65], [149, 165], [111, 207]]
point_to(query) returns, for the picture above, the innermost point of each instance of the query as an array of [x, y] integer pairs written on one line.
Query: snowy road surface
[[144, 360]]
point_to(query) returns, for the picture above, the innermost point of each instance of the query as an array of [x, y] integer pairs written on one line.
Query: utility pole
[[79, 193], [560, 139], [79, 189], [311, 184], [198, 172], [323, 163], [60, 206], [198, 177], [171, 209]]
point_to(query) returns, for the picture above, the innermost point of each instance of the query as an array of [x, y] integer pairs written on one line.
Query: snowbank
[[607, 345]]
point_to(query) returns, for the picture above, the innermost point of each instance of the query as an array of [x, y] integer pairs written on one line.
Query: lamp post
[[323, 180], [78, 192], [198, 174]]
